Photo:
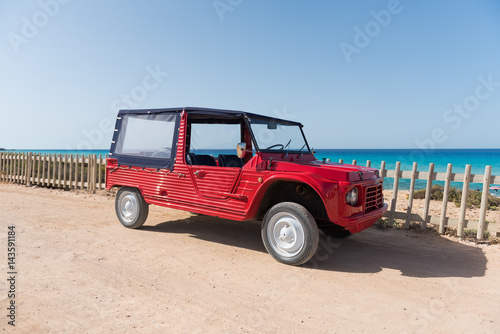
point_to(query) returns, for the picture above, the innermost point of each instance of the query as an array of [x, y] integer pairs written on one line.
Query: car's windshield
[[277, 136]]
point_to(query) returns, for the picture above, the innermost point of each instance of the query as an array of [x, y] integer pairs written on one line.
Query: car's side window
[[215, 140], [146, 136]]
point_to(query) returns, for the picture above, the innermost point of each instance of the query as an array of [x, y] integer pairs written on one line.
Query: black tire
[[130, 207], [290, 233], [334, 231]]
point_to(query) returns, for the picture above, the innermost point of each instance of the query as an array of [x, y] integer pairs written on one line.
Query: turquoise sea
[[477, 158]]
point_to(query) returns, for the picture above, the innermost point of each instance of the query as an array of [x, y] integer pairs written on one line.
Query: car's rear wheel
[[290, 233], [131, 209]]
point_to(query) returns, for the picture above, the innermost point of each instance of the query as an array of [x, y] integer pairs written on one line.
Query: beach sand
[[80, 271]]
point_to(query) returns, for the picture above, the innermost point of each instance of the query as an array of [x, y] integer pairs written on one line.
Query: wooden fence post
[[7, 168], [410, 196], [382, 169], [16, 168], [90, 173], [30, 164], [13, 174], [81, 170], [354, 162], [44, 160], [446, 193], [19, 168], [341, 161], [368, 163], [94, 173], [54, 171], [99, 172], [22, 162], [463, 206], [39, 163], [4, 166], [11, 163], [10, 168], [76, 172], [394, 199], [33, 168], [484, 202], [65, 170], [59, 170], [1, 165], [70, 172], [427, 203]]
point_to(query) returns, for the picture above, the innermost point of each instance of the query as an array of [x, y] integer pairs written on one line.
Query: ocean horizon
[[477, 158]]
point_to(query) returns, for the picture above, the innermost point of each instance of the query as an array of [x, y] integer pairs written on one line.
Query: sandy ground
[[80, 271]]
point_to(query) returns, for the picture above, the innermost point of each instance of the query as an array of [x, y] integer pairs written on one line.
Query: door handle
[[199, 173]]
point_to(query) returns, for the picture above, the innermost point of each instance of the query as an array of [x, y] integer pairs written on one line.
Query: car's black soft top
[[208, 112]]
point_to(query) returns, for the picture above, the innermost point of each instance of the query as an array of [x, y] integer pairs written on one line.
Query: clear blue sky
[[66, 69]]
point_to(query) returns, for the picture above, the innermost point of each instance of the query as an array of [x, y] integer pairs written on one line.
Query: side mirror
[[241, 150]]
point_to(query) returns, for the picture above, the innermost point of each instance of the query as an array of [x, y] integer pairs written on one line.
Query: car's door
[[213, 181], [211, 145]]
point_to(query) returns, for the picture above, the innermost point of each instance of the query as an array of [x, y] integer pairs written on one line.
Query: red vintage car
[[185, 158]]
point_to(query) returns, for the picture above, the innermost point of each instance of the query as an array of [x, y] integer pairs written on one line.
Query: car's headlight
[[352, 196]]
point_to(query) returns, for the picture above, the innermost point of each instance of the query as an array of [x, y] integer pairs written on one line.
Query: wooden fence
[[441, 221], [57, 171], [88, 172]]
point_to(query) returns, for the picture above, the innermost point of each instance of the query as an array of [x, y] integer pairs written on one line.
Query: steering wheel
[[275, 145]]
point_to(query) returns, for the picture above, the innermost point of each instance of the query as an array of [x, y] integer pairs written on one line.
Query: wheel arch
[[278, 190]]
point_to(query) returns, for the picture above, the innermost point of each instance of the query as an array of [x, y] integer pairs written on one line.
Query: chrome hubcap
[[285, 234], [128, 207]]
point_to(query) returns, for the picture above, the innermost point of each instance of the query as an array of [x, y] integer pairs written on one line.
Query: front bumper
[[362, 221]]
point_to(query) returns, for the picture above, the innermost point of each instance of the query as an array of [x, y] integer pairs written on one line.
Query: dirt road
[[79, 271]]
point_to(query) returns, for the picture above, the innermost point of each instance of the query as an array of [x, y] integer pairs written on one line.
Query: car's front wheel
[[131, 209], [290, 233]]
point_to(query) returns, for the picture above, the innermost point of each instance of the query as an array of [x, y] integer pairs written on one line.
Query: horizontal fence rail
[[58, 171]]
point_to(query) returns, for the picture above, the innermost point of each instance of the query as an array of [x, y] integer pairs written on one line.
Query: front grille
[[374, 198]]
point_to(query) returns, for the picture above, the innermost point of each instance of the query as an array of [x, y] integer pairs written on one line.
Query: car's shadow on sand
[[412, 253]]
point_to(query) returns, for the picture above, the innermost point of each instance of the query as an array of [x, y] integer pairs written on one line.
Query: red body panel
[[236, 193]]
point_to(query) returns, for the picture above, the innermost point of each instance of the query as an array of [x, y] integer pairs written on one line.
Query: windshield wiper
[[287, 145], [300, 151]]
